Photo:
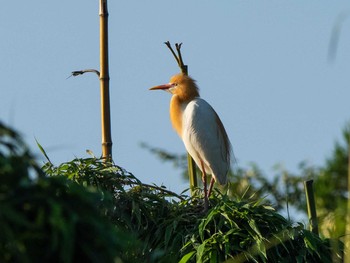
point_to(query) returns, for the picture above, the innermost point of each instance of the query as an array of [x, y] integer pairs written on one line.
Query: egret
[[200, 129]]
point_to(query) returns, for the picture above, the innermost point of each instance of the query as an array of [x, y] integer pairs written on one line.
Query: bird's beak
[[162, 87]]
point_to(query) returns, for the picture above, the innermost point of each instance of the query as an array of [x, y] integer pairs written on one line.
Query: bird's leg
[[212, 181], [204, 180]]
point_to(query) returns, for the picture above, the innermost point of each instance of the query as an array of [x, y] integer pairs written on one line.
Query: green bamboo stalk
[[192, 174], [311, 206], [104, 83], [190, 162]]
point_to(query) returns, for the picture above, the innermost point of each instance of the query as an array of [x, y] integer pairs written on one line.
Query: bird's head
[[181, 85]]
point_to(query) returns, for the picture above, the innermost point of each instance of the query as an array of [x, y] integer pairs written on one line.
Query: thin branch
[[81, 72], [178, 49], [177, 57], [163, 190], [167, 43]]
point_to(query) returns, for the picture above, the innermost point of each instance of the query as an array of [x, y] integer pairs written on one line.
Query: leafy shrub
[[248, 231], [153, 213], [174, 228], [91, 210], [50, 219]]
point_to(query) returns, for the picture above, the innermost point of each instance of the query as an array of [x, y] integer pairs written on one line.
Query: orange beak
[[162, 87]]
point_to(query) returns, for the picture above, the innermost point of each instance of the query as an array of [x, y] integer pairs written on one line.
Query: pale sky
[[261, 64]]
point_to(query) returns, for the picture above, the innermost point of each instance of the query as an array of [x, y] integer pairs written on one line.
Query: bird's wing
[[205, 138]]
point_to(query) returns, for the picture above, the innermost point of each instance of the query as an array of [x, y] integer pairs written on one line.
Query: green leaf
[[200, 252], [168, 234], [187, 257], [43, 151]]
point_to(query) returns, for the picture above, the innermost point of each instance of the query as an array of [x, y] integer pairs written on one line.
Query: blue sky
[[261, 64]]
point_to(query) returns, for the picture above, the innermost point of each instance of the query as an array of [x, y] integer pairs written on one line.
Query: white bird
[[201, 130]]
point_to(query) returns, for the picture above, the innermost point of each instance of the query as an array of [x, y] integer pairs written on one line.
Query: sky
[[262, 65]]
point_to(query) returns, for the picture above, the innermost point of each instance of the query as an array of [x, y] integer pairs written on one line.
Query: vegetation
[[285, 190], [51, 219], [95, 211]]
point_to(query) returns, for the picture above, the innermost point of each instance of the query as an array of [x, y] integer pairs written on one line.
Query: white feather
[[204, 139]]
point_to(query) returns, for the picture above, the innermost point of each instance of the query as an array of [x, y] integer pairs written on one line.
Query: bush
[[90, 210], [51, 219], [174, 228]]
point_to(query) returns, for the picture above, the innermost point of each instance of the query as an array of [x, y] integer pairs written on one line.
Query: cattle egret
[[201, 130]]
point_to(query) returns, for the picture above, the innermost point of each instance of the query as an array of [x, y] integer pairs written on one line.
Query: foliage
[[331, 186], [50, 218], [285, 189], [92, 210], [249, 231], [159, 222], [174, 228]]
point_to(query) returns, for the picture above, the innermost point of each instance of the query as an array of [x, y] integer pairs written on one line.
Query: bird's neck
[[176, 111]]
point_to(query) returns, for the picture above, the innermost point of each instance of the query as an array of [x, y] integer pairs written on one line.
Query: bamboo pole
[[190, 162], [104, 82], [311, 207]]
